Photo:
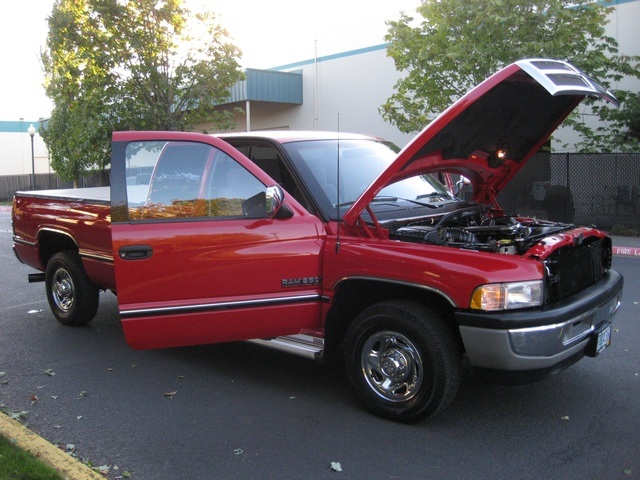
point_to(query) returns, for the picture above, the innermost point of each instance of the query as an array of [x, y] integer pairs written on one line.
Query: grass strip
[[16, 464]]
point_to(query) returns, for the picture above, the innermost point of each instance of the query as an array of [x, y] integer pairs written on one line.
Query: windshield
[[361, 162]]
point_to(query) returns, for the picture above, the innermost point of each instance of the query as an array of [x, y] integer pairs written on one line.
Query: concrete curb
[[66, 465]]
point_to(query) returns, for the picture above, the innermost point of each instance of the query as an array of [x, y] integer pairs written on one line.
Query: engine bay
[[476, 228]]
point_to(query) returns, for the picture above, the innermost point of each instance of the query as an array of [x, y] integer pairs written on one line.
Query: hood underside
[[491, 132]]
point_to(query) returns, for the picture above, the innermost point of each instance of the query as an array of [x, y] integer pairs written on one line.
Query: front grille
[[572, 269]]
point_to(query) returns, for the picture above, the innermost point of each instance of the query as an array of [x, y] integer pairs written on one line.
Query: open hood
[[492, 131]]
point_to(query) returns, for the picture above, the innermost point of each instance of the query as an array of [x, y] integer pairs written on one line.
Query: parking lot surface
[[241, 411]]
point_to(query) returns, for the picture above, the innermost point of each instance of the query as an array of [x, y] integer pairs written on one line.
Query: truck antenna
[[338, 188]]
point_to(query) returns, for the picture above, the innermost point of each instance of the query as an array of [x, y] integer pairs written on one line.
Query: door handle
[[135, 252]]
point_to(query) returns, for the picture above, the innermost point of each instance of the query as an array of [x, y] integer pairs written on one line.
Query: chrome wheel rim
[[63, 290], [392, 366]]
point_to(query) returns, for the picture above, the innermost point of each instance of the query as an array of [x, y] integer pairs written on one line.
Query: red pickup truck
[[336, 246]]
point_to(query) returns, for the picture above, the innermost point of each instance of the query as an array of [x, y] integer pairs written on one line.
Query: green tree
[[459, 43], [130, 64]]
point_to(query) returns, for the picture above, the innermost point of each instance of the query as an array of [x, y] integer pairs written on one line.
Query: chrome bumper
[[566, 332]]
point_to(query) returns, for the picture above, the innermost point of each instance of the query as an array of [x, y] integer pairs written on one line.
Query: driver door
[[197, 259]]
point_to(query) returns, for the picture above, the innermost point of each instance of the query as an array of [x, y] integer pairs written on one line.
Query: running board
[[302, 345]]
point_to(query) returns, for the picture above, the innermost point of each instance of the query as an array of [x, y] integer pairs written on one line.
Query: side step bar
[[301, 345]]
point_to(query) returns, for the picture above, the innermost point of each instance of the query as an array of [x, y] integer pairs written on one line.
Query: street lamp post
[[32, 132]]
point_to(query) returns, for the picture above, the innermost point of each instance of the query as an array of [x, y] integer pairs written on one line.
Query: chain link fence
[[585, 189]]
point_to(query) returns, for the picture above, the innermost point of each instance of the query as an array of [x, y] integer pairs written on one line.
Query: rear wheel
[[72, 297], [402, 360]]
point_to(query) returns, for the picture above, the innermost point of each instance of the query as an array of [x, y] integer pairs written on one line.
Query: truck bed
[[47, 221], [101, 195]]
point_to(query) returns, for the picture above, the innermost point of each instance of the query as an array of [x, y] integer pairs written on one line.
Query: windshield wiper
[[434, 194], [422, 204], [376, 199], [390, 199], [395, 199]]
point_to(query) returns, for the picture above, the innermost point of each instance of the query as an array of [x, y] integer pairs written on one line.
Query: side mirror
[[275, 206]]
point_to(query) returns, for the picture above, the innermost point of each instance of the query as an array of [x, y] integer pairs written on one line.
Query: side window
[[233, 191], [268, 159], [173, 180], [177, 175]]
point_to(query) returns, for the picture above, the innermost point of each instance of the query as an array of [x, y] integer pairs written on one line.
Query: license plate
[[603, 339]]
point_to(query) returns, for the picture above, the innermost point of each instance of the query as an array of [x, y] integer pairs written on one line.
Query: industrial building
[[339, 91]]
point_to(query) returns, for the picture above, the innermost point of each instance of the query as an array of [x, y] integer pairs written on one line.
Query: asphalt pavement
[[242, 411]]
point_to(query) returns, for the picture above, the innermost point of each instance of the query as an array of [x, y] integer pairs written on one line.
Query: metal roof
[[268, 86]]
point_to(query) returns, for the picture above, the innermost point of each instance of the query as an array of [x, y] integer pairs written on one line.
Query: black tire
[[72, 297], [403, 362]]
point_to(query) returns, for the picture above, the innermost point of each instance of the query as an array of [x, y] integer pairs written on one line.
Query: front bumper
[[540, 339]]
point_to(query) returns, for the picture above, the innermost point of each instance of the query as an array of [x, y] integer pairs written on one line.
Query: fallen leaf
[[49, 372], [78, 417], [336, 467], [566, 417], [238, 451], [34, 399], [627, 471], [170, 394], [83, 394], [17, 415], [104, 469], [70, 447], [110, 369]]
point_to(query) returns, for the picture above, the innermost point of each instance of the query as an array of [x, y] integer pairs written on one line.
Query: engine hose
[[458, 235]]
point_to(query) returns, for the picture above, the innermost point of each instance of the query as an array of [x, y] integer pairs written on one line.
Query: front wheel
[[402, 360], [72, 297]]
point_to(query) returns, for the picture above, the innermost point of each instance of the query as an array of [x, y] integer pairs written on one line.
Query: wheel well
[[353, 296], [51, 243]]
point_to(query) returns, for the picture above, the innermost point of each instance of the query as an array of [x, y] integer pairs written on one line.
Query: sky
[[269, 33]]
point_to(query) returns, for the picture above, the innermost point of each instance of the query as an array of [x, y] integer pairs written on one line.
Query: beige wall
[[344, 92], [15, 154], [623, 27], [352, 87]]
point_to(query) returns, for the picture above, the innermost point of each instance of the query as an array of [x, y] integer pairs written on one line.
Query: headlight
[[507, 296]]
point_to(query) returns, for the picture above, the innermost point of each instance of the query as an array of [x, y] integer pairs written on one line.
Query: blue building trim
[[335, 56], [20, 126]]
